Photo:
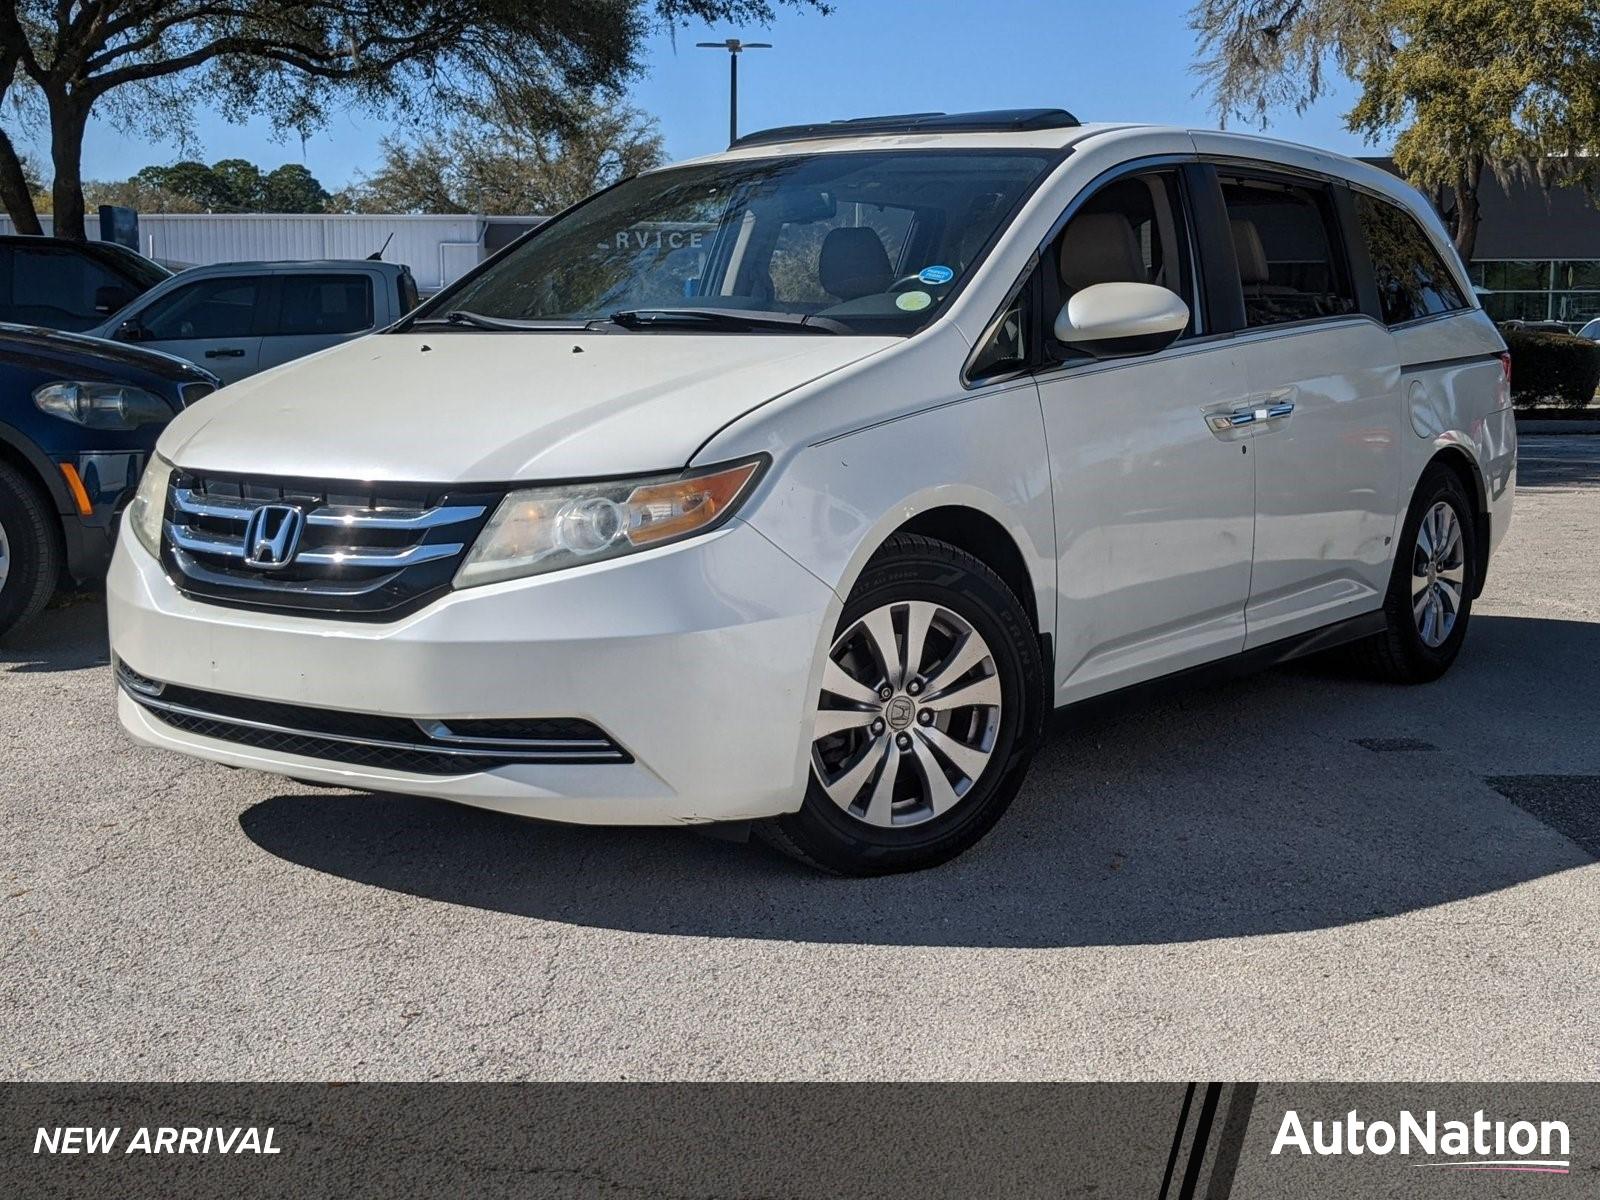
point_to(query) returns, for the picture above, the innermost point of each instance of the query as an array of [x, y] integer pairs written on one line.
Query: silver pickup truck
[[235, 319]]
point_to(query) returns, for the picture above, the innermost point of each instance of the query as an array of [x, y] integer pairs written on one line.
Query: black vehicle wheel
[[933, 700], [1429, 601], [30, 549]]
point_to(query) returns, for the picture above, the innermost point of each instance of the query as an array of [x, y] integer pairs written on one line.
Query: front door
[[211, 322], [1154, 498]]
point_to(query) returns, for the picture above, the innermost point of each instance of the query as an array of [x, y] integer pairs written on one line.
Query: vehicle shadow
[[1242, 809], [69, 636]]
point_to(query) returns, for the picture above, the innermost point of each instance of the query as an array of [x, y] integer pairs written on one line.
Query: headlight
[[149, 505], [545, 529], [102, 405]]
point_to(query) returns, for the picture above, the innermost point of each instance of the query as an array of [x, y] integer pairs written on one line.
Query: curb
[[1543, 428]]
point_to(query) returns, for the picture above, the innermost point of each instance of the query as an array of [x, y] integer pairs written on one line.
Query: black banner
[[1161, 1141]]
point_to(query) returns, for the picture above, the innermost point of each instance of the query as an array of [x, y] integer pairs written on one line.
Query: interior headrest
[[1248, 250], [1100, 248], [853, 263]]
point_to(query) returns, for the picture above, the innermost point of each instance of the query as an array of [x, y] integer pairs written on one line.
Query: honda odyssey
[[797, 484]]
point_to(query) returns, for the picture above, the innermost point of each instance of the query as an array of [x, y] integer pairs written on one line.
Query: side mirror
[[111, 297], [129, 331], [1112, 319]]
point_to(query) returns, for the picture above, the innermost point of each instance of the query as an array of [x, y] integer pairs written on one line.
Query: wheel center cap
[[899, 713]]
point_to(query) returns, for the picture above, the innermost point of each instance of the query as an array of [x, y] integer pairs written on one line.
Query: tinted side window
[[57, 288], [1413, 280], [209, 308], [1290, 267], [325, 304]]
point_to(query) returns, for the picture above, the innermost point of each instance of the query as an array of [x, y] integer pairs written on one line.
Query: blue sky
[[1125, 60]]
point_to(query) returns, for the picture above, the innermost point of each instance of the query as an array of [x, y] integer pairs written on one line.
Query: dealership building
[[1538, 252]]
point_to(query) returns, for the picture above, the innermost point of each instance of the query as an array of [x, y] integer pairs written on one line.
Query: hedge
[[1552, 368]]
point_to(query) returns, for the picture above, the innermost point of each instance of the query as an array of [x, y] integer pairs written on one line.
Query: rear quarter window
[[324, 304], [1413, 280]]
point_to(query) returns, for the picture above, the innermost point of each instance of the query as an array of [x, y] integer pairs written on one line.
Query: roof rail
[[999, 120]]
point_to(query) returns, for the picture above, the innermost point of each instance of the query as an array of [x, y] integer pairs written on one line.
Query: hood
[[51, 349], [458, 407]]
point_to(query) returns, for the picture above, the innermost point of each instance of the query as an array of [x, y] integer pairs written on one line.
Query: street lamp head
[[734, 45]]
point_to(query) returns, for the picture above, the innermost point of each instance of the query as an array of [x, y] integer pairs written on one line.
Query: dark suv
[[70, 285], [78, 420]]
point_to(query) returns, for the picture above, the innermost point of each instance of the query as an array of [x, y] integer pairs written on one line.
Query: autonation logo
[[1480, 1144]]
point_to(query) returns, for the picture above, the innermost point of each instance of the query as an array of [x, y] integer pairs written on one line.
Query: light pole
[[734, 47]]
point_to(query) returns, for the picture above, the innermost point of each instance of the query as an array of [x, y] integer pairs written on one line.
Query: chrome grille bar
[[187, 501], [354, 556]]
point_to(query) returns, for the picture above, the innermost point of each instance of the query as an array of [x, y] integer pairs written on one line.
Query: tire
[[30, 549], [981, 750], [1404, 652]]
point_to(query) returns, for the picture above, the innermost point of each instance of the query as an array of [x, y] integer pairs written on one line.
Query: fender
[[49, 476]]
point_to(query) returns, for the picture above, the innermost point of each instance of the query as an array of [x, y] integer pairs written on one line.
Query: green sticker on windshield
[[913, 301]]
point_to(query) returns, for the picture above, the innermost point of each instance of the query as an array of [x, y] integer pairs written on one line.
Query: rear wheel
[[30, 549], [931, 704], [1429, 601]]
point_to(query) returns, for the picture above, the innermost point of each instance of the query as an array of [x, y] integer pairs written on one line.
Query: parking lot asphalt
[[1296, 875]]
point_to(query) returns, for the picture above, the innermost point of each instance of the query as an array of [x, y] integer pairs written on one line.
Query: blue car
[[78, 419]]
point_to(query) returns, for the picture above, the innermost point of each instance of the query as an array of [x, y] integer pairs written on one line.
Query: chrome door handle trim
[[1223, 421]]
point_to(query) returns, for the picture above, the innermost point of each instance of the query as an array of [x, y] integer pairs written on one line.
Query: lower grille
[[420, 747], [359, 551]]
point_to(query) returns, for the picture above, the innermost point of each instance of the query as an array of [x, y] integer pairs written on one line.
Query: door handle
[[231, 353], [1221, 422]]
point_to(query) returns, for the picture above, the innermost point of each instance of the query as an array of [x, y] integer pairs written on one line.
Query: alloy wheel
[[5, 557], [909, 714], [1438, 574]]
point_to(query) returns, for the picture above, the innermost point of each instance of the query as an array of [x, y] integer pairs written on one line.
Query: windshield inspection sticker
[[913, 301], [934, 276]]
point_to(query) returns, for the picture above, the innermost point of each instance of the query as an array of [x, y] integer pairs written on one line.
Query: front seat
[[1254, 273], [1099, 248], [853, 263]]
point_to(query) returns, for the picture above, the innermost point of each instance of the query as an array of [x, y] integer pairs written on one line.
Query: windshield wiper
[[461, 318], [726, 318]]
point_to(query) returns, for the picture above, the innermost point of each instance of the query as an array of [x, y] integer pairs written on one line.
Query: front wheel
[[931, 704], [30, 549]]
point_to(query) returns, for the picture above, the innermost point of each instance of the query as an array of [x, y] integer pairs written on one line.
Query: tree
[[292, 189], [1475, 84], [144, 63], [231, 185], [1470, 84], [494, 162], [239, 184], [193, 181]]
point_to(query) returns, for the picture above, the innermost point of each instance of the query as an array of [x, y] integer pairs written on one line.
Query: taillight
[[1505, 369]]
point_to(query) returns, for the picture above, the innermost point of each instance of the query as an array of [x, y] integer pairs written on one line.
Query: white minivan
[[797, 484]]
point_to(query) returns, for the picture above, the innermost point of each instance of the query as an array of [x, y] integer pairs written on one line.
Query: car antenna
[[378, 256]]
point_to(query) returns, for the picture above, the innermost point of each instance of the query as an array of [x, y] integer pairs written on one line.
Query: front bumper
[[696, 659]]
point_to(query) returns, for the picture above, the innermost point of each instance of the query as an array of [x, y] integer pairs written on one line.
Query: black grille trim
[[369, 740], [347, 522]]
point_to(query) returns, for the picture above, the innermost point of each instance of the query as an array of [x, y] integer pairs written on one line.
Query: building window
[[1531, 290]]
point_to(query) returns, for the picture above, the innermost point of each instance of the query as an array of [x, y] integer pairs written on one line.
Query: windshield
[[146, 273], [865, 242]]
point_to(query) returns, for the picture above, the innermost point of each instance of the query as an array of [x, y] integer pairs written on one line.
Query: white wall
[[438, 249]]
